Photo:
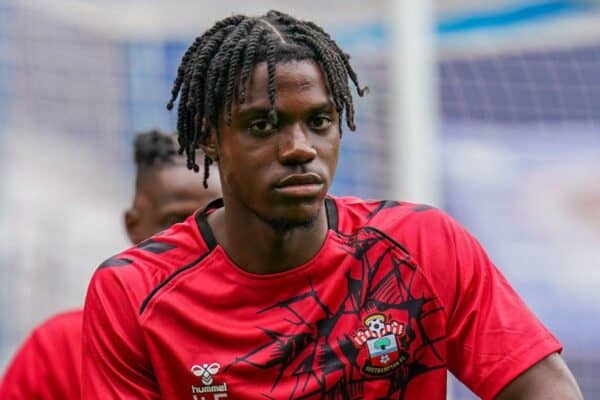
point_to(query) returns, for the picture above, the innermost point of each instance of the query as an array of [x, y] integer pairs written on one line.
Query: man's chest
[[362, 325]]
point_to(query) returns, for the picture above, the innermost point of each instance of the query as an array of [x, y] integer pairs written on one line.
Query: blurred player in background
[[165, 191], [282, 291], [48, 364]]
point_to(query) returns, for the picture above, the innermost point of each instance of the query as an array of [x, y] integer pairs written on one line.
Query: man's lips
[[309, 178], [300, 185]]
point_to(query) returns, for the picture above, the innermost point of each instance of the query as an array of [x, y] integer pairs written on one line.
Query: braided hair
[[214, 72]]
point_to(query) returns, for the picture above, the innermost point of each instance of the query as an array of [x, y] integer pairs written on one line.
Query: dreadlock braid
[[229, 45], [253, 41], [271, 51], [215, 70], [192, 50], [190, 113], [345, 57], [334, 69], [181, 71], [234, 70], [207, 164]]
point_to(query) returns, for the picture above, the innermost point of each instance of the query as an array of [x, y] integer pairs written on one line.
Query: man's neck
[[258, 247]]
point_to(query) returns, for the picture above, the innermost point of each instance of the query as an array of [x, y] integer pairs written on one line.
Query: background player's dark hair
[[153, 148], [214, 71]]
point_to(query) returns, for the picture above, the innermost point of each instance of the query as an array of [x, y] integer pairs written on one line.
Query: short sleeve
[[115, 361], [492, 335]]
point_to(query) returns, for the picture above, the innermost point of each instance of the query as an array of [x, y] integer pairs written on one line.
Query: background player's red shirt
[[48, 364], [398, 294]]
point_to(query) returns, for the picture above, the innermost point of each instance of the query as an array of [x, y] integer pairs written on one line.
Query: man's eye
[[261, 128], [320, 123]]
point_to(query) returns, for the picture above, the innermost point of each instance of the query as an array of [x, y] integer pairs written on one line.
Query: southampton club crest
[[380, 339]]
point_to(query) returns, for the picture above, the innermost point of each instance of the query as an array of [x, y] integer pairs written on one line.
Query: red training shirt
[[398, 294], [48, 364]]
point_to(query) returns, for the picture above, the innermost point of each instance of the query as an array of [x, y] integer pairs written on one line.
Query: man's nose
[[295, 146]]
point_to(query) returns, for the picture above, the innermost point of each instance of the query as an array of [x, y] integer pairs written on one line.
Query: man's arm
[[495, 344], [549, 379], [115, 364]]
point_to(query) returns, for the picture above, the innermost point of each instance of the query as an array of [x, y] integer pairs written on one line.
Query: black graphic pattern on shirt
[[382, 206], [323, 362], [115, 262], [154, 246]]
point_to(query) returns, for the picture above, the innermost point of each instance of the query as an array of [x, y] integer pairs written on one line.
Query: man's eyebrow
[[253, 111], [261, 110], [325, 106]]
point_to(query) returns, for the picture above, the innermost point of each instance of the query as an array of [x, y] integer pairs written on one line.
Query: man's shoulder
[[387, 215], [140, 268], [423, 231]]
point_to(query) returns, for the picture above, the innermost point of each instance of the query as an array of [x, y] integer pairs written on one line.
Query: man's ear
[[210, 145], [131, 218]]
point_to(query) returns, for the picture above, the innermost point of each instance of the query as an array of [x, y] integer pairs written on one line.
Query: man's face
[[167, 195], [280, 172]]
